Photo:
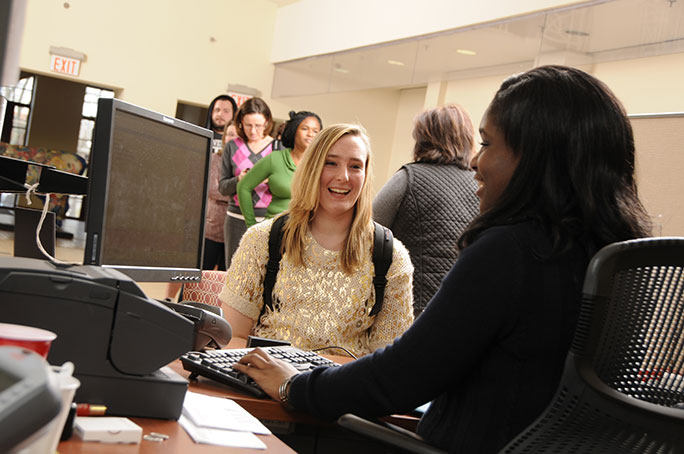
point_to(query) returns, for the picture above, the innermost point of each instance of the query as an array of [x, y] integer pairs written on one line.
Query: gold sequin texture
[[319, 305]]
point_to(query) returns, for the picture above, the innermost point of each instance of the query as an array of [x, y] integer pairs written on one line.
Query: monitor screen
[[147, 194]]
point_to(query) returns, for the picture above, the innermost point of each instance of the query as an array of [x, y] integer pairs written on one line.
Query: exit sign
[[65, 65], [239, 99]]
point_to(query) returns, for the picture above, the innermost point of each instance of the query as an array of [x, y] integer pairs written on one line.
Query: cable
[[335, 346], [31, 189]]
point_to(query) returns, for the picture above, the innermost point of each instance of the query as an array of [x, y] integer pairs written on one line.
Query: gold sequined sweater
[[319, 305]]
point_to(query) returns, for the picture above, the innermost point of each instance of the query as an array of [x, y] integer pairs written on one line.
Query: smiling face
[[494, 164], [253, 125], [306, 131], [342, 177]]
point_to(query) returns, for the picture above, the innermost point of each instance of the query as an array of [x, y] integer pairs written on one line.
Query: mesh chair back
[[635, 318], [624, 375]]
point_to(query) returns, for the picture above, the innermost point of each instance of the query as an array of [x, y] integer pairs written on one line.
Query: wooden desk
[[180, 442]]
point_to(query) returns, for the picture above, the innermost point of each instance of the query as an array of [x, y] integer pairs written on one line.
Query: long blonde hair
[[305, 199]]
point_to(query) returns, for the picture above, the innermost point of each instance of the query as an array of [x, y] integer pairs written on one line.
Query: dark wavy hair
[[290, 130], [444, 135], [253, 106], [576, 168], [210, 122]]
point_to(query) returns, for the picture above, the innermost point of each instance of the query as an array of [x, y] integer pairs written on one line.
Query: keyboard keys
[[218, 365]]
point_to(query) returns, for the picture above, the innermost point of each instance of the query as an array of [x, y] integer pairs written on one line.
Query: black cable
[[335, 346]]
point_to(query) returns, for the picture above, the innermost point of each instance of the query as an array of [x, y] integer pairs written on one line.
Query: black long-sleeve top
[[488, 350]]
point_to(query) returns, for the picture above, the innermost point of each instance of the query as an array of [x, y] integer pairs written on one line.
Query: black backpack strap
[[275, 239], [382, 259]]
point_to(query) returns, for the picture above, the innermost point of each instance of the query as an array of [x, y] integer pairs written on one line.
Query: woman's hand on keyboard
[[268, 372]]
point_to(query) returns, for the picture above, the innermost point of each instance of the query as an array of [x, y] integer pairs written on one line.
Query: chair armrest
[[388, 434]]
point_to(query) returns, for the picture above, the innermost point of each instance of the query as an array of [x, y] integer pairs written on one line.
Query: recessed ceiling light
[[466, 52], [576, 33], [395, 62], [342, 70]]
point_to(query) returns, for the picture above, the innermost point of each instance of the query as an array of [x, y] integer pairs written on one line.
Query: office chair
[[623, 378], [622, 388], [207, 290]]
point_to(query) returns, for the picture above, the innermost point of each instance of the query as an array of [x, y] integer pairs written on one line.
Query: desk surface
[[180, 442]]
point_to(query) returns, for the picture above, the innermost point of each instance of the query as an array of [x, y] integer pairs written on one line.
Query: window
[[85, 138], [21, 97], [85, 133]]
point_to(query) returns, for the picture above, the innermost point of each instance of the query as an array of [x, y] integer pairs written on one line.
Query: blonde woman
[[324, 291]]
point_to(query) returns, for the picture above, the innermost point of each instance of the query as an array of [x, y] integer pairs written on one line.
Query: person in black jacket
[[428, 203], [556, 182]]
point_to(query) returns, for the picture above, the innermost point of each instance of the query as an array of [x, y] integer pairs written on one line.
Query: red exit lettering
[[65, 65]]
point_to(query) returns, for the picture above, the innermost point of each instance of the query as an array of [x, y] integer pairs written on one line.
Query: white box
[[107, 429]]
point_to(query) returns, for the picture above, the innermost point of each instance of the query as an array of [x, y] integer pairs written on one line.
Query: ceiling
[[603, 31]]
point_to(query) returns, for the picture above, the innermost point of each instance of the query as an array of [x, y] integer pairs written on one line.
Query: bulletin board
[[659, 143]]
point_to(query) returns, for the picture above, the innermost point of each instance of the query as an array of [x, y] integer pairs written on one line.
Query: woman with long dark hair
[[556, 183]]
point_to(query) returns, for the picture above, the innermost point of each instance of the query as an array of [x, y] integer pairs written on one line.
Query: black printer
[[118, 339]]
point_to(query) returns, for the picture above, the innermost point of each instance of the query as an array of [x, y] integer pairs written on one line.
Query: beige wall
[[376, 110], [155, 52], [410, 104]]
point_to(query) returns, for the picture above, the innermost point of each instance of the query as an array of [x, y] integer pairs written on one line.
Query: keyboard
[[218, 365]]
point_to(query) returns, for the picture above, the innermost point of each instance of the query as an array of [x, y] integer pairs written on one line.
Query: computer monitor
[[147, 194]]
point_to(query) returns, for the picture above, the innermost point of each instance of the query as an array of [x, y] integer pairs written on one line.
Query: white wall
[[156, 52], [336, 25]]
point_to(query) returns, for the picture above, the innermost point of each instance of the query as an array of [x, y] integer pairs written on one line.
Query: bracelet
[[284, 392]]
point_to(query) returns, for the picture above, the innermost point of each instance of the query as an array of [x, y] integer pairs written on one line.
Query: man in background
[[221, 110]]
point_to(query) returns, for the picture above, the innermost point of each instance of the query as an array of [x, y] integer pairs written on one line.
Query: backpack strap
[[275, 239], [382, 259]]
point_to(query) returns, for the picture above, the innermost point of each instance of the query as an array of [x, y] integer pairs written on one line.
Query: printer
[[118, 339]]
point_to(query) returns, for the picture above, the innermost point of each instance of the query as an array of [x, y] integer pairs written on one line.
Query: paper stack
[[220, 421]]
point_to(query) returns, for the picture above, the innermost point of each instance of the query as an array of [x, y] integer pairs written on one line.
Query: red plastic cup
[[36, 339]]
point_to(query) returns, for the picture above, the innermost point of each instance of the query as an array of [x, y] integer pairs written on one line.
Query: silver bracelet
[[284, 392]]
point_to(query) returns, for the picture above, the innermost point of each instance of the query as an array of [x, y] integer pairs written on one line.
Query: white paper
[[220, 437], [220, 413]]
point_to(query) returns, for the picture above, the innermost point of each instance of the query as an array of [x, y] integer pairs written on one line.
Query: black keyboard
[[218, 365]]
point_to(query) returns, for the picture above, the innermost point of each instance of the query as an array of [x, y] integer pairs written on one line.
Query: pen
[[90, 410]]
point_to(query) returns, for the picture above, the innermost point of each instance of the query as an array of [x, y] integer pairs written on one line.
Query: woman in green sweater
[[278, 167]]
